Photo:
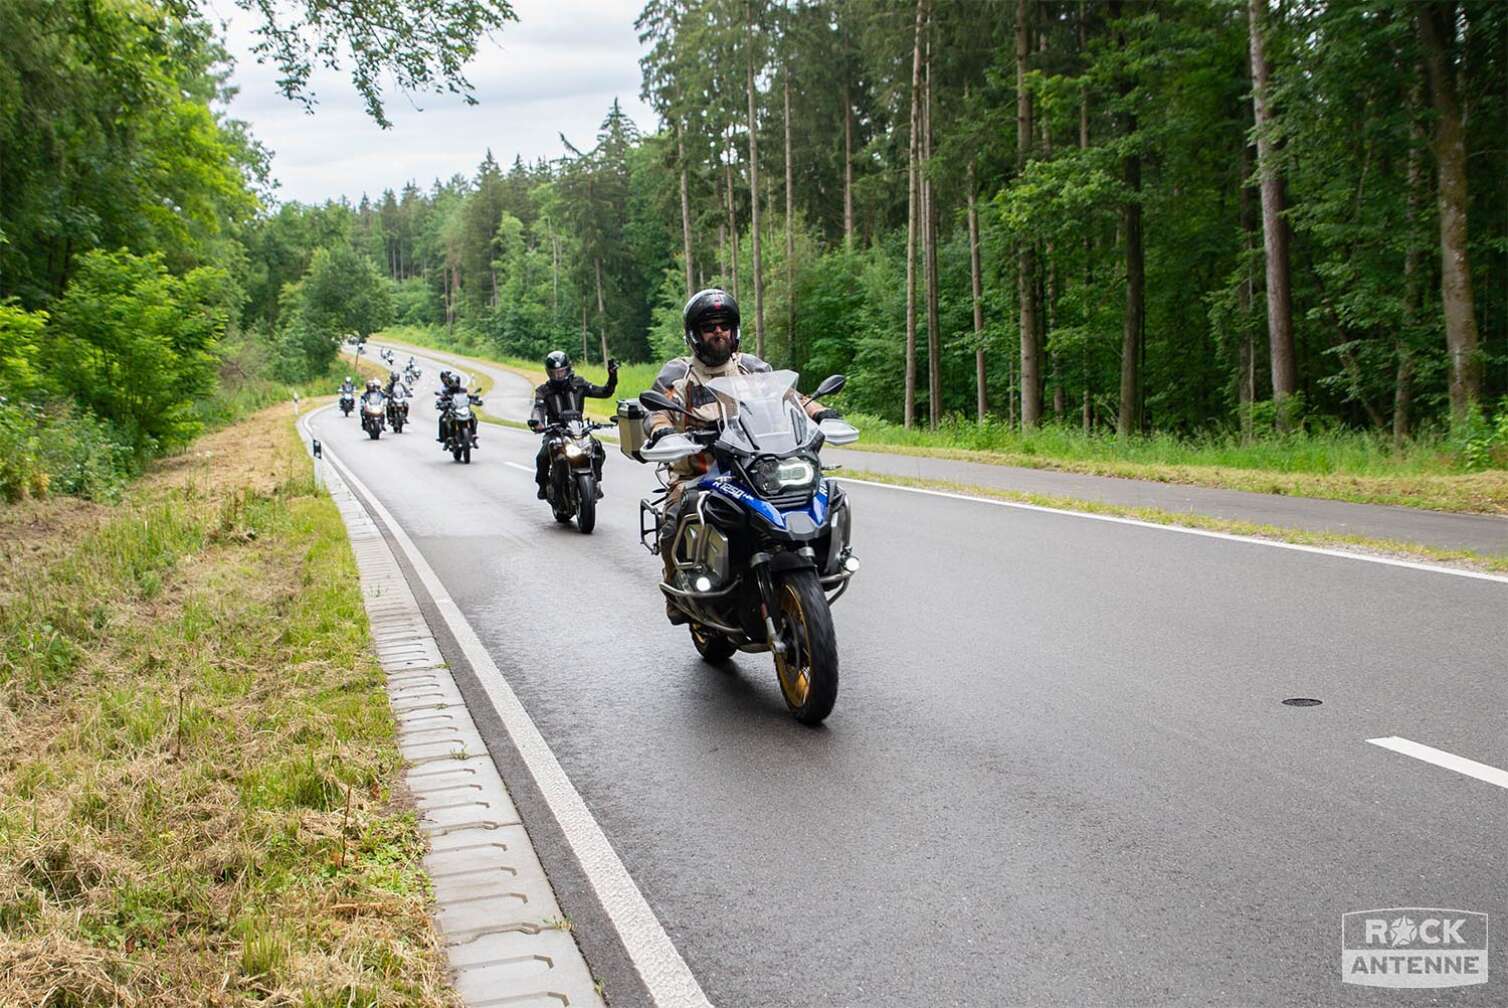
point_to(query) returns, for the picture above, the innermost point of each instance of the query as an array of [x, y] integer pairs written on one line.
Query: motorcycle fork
[[761, 564]]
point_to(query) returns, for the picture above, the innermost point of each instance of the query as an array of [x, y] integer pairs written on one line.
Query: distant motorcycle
[[572, 487], [412, 374], [755, 553], [397, 408], [373, 410], [347, 402], [459, 423]]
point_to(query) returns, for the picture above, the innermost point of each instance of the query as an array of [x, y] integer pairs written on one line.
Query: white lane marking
[[1388, 561], [1439, 757], [665, 974], [519, 465]]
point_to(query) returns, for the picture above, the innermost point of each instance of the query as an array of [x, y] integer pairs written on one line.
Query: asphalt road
[[1059, 772]]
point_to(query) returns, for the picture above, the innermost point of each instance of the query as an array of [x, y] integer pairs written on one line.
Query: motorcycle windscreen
[[760, 412]]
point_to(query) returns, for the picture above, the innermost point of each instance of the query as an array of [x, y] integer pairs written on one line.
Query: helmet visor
[[558, 374]]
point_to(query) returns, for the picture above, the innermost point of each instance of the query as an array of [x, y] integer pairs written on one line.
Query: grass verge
[[1466, 559], [199, 775]]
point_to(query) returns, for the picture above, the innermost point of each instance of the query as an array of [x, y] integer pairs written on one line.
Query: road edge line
[[1185, 529], [663, 971], [1484, 772]]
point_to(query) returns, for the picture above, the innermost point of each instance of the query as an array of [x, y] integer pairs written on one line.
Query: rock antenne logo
[[1413, 947]]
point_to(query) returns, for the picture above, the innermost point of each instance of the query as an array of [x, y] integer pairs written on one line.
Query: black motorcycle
[[572, 486], [397, 408], [347, 402], [459, 423], [762, 538], [373, 411]]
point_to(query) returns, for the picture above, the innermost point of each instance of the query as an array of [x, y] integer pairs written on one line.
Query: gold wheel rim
[[795, 680]]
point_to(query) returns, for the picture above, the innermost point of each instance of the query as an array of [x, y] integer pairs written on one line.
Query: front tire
[[711, 645], [586, 505], [374, 432], [808, 672], [466, 453]]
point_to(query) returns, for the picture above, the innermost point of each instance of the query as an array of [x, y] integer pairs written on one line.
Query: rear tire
[[808, 673], [711, 645], [586, 506]]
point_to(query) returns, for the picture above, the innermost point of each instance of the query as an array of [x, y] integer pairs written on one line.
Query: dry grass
[[188, 709]]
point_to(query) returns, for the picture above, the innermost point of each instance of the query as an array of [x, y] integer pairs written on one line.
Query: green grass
[[199, 794], [1355, 453]]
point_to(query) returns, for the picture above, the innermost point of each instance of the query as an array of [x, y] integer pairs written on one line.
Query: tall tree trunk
[[981, 389], [585, 357], [758, 279], [732, 226], [1274, 228], [601, 311], [847, 169], [1026, 257], [1129, 420], [680, 156], [790, 233], [929, 245], [1413, 262], [1246, 376], [913, 215], [554, 276], [1087, 412], [1437, 32]]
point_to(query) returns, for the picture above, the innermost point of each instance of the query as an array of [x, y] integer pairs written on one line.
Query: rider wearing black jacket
[[450, 384], [565, 393]]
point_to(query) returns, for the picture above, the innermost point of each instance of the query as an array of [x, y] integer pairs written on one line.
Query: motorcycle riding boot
[[667, 540]]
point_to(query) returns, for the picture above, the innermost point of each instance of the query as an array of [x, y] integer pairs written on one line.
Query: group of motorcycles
[[380, 409], [755, 549]]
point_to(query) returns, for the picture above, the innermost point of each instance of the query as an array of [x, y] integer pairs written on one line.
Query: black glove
[[656, 434], [828, 414], [612, 366], [533, 424]]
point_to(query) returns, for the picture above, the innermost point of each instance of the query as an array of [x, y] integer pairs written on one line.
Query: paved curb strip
[[496, 912]]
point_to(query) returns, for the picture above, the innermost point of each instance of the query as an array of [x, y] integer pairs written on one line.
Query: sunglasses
[[708, 328]]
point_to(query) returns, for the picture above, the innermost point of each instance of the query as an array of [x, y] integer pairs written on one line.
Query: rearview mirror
[[658, 401], [830, 384]]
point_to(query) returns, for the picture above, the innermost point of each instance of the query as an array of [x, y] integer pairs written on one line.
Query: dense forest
[[1236, 218]]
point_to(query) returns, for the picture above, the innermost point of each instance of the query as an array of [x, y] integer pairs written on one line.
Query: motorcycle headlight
[[573, 452], [774, 476]]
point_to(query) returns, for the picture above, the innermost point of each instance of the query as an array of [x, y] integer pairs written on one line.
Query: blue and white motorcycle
[[759, 546]]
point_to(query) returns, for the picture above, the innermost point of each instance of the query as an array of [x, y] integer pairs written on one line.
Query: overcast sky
[[556, 70]]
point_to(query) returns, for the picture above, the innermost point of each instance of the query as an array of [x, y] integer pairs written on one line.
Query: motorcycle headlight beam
[[573, 452]]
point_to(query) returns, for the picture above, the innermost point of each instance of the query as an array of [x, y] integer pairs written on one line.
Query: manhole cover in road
[[1302, 701]]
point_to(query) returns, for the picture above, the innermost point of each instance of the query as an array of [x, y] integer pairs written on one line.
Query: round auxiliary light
[[851, 564], [702, 583]]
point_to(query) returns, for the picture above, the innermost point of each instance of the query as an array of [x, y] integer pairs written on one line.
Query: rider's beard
[[715, 351]]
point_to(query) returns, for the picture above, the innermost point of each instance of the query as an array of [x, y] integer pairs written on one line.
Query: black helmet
[[558, 367], [710, 305]]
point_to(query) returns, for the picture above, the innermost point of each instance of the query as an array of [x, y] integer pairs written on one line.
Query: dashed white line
[[1441, 758]]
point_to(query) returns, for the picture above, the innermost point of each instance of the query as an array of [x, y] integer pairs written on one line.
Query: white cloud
[[556, 70]]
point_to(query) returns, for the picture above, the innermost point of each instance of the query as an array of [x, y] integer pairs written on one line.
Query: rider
[[710, 322], [450, 384], [374, 387], [394, 379], [347, 386], [565, 392]]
